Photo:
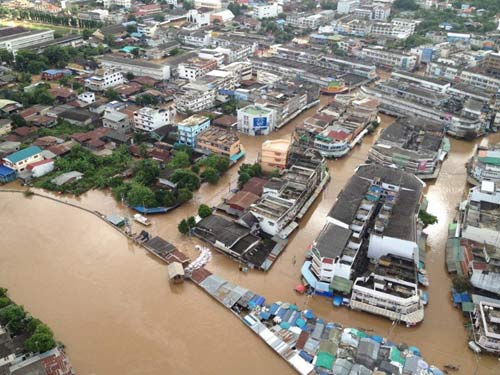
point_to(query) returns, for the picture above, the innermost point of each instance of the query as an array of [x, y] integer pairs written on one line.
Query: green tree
[[191, 222], [45, 98], [204, 211], [13, 316], [41, 341], [130, 76], [185, 179], [427, 218], [131, 29], [140, 195], [175, 51], [111, 95], [187, 4], [247, 171], [146, 172], [159, 17], [180, 160], [86, 34], [183, 226], [405, 5], [4, 301], [243, 178], [235, 9], [6, 56], [18, 120], [56, 56], [36, 67], [210, 175], [184, 195], [461, 283]]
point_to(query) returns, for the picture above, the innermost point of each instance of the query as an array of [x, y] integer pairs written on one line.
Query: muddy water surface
[[111, 304]]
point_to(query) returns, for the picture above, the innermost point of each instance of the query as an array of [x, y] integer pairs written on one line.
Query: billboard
[[260, 123]]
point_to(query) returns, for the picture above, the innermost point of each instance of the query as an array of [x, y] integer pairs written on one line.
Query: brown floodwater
[[111, 304]]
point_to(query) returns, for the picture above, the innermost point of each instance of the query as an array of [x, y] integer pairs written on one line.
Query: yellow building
[[274, 154], [220, 141]]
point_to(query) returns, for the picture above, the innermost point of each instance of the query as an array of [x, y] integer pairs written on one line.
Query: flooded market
[[111, 305]]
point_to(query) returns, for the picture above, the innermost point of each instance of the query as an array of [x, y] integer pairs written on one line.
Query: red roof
[[41, 162], [338, 135], [242, 200], [24, 131], [255, 185]]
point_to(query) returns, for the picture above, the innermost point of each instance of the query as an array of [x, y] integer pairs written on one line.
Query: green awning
[[341, 285], [396, 356], [325, 360], [467, 307]]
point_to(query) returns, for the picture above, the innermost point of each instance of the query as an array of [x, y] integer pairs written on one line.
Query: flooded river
[[111, 304]]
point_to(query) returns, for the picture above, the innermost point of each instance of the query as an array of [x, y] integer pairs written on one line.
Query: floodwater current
[[111, 304]]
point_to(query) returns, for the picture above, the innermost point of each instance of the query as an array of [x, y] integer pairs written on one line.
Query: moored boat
[[334, 87], [142, 220]]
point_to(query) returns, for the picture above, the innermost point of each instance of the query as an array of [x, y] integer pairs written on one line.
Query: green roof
[[256, 111], [396, 356], [489, 160], [128, 49], [23, 154], [341, 284], [325, 360]]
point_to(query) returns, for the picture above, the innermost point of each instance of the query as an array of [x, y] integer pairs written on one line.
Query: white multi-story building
[[199, 18], [456, 74], [116, 120], [108, 79], [487, 326], [375, 219], [256, 120], [149, 119], [87, 97], [195, 97], [381, 11], [138, 67], [211, 4], [347, 6], [195, 68], [16, 38], [393, 59], [405, 24], [272, 10], [148, 29], [121, 3]]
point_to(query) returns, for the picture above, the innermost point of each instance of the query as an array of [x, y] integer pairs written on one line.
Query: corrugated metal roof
[[23, 154]]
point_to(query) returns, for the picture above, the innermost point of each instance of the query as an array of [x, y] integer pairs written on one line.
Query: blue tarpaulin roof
[[273, 308], [308, 314], [6, 171], [152, 210], [285, 325], [337, 300], [300, 323], [237, 156], [378, 339]]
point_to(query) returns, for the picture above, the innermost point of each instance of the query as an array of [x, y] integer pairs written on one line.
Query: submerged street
[[112, 306]]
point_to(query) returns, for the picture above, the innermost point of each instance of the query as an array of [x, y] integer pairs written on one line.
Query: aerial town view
[[249, 187]]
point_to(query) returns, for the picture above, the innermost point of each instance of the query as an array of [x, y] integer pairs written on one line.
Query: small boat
[[142, 219], [423, 280], [451, 367], [474, 347], [424, 296]]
